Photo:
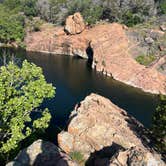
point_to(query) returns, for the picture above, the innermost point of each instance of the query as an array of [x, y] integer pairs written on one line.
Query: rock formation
[[110, 53], [74, 24], [104, 133], [42, 153]]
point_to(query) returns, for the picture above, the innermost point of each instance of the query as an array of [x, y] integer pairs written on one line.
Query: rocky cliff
[[106, 135], [107, 45]]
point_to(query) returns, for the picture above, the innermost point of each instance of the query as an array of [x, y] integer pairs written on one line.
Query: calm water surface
[[74, 80]]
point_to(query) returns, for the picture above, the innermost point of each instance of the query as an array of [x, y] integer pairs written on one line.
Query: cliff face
[[106, 135], [109, 50]]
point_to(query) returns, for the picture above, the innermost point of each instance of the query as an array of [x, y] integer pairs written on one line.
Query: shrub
[[77, 156], [22, 92], [11, 26], [159, 125], [131, 19], [29, 7], [90, 11], [145, 59], [163, 6], [12, 4]]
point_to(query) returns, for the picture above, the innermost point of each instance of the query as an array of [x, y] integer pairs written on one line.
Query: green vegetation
[[29, 7], [23, 89], [159, 125], [131, 19], [163, 6], [13, 14], [77, 157], [90, 11], [11, 26], [145, 59]]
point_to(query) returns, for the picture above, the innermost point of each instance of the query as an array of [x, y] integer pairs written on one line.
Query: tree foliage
[[159, 124], [29, 7], [90, 11], [163, 6], [23, 89], [57, 11], [11, 26]]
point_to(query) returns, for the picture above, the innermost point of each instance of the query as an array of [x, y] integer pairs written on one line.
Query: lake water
[[74, 80]]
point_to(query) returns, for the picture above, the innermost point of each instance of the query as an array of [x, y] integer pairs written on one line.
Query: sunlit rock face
[[104, 133], [74, 24]]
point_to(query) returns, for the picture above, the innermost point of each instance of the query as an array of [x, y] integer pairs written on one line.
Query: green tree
[[29, 7], [11, 26], [159, 124], [22, 90], [12, 4], [163, 6], [90, 11], [57, 14]]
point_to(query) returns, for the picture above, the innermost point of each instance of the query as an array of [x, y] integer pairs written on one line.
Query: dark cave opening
[[90, 53]]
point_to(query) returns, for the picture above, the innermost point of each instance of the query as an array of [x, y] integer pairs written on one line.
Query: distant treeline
[[13, 13]]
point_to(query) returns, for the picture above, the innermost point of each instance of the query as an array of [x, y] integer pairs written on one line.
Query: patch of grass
[[145, 59], [77, 157]]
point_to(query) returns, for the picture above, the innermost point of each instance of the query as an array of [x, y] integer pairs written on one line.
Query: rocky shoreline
[[107, 45], [107, 135]]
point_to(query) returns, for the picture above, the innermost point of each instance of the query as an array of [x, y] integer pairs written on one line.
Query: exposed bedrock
[[109, 50], [106, 135]]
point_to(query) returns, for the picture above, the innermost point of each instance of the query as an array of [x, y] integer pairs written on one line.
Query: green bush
[[11, 26], [29, 7], [88, 9], [145, 59], [22, 92], [163, 6], [130, 19], [77, 157], [159, 125], [12, 4]]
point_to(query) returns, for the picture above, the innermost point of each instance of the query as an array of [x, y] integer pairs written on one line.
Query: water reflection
[[74, 80]]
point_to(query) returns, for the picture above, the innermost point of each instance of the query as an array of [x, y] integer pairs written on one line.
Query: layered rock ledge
[[106, 135], [108, 47]]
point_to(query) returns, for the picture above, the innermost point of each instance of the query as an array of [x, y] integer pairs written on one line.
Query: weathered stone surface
[[97, 126], [42, 153], [110, 47], [135, 157], [163, 27], [74, 24]]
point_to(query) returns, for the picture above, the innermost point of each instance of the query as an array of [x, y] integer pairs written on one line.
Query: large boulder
[[74, 24], [42, 153], [100, 128]]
